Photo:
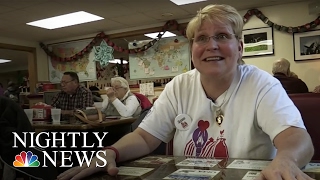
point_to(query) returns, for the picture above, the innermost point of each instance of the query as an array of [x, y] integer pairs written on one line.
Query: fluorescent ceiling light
[[65, 20], [4, 61], [183, 2], [155, 35], [118, 61]]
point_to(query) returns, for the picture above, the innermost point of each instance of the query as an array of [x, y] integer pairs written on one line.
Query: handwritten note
[[143, 88], [150, 89]]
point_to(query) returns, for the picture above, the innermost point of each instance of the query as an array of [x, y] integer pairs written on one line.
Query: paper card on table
[[133, 171], [150, 89], [192, 174], [249, 164], [153, 160], [199, 162], [251, 175], [312, 167]]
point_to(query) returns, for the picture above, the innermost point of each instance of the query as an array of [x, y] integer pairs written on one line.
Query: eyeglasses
[[66, 82], [220, 38]]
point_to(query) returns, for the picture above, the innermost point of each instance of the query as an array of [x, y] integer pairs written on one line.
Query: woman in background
[[289, 80], [120, 101]]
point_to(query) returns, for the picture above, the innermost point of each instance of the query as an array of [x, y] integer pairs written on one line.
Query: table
[[162, 170], [78, 125]]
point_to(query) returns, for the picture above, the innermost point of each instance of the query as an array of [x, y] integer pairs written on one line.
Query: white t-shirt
[[256, 109]]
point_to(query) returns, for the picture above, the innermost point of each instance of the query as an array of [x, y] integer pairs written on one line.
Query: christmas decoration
[[282, 28], [103, 53], [174, 24]]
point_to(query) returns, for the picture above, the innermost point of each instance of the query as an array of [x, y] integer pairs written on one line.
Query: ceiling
[[118, 15]]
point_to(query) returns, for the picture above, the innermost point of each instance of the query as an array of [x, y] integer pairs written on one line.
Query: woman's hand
[[78, 172], [111, 94], [282, 169]]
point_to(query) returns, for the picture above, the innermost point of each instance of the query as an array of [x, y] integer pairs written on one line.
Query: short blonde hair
[[281, 66], [123, 82], [220, 13]]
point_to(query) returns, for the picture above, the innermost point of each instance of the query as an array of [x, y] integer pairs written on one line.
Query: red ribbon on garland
[[266, 20], [175, 25], [101, 35]]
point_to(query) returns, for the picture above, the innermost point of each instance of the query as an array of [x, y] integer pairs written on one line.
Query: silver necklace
[[219, 113]]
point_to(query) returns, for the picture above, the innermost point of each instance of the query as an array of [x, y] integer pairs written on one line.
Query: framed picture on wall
[[306, 45], [257, 42]]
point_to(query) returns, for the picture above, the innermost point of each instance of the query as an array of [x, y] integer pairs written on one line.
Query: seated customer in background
[[120, 101], [289, 80], [72, 96]]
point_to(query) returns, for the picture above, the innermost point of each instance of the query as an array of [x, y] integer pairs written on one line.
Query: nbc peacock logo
[[26, 159]]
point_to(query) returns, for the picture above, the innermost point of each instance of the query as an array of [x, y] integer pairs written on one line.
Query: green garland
[[174, 24]]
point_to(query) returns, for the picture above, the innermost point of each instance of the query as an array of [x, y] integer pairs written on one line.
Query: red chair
[[308, 105], [144, 101]]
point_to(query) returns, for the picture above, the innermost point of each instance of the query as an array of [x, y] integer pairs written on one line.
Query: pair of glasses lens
[[220, 38], [117, 88]]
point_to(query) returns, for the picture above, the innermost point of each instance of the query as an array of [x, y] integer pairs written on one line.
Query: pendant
[[219, 118]]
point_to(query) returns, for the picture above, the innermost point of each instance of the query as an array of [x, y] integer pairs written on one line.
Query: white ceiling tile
[[194, 7], [20, 4], [5, 9], [6, 24], [49, 9], [114, 11], [33, 33], [146, 5], [136, 19], [177, 13], [105, 25], [19, 16], [104, 9], [85, 3]]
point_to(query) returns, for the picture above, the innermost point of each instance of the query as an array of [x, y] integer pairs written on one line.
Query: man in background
[[290, 82], [72, 96]]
